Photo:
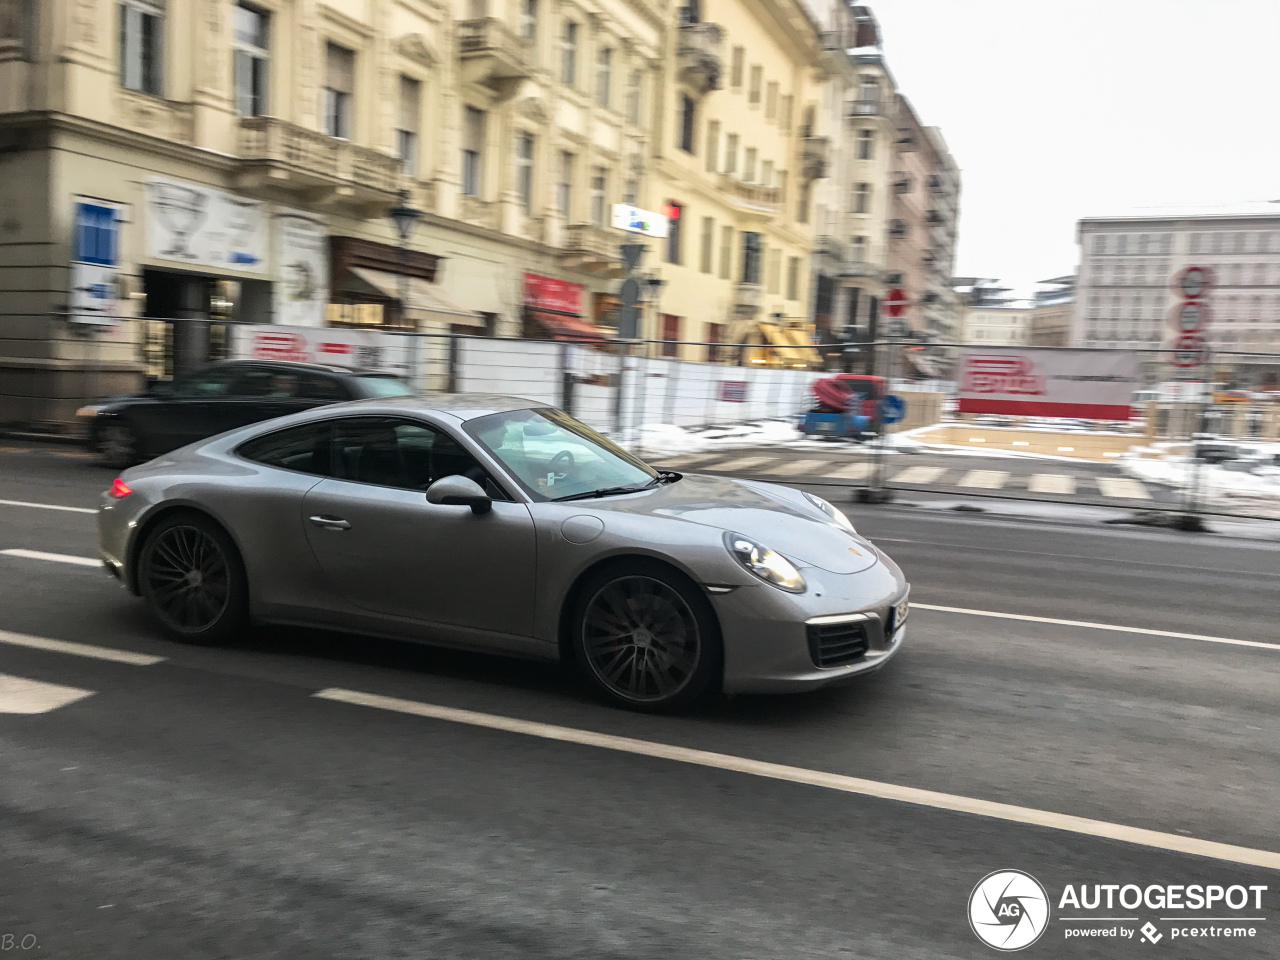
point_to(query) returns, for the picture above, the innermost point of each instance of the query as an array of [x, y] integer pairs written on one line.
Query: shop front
[[553, 310]]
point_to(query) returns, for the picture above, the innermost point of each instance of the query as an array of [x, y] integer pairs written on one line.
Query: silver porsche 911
[[499, 524]]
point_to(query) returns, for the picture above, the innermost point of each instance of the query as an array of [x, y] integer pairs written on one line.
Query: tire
[[645, 637], [193, 581], [118, 445]]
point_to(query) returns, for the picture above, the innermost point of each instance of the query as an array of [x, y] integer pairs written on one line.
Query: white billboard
[[301, 291], [634, 220], [356, 349], [202, 227], [1087, 384]]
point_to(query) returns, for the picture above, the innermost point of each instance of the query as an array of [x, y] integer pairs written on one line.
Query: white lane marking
[[1051, 483], [1089, 624], [919, 475], [797, 467], [19, 695], [55, 557], [987, 479], [1123, 487], [44, 506], [742, 463], [78, 649], [817, 778], [853, 471]]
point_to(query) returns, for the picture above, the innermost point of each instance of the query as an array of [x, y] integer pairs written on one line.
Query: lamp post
[[655, 284], [404, 218]]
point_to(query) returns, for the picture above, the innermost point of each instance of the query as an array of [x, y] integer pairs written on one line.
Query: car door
[[388, 551], [260, 392], [181, 414]]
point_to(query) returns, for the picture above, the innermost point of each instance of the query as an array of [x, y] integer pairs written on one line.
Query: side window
[[267, 383], [390, 452], [206, 383], [314, 386], [305, 449]]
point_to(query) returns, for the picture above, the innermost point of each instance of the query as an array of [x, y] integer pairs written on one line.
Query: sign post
[[895, 303], [1190, 353]]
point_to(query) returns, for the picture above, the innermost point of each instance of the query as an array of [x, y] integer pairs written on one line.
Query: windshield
[[384, 387], [554, 456]]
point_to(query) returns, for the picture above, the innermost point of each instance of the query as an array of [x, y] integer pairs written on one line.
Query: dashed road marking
[[742, 463], [1125, 488], [79, 649], [817, 778], [797, 467], [853, 471], [20, 695], [44, 506], [52, 557], [919, 475], [986, 479], [1052, 483]]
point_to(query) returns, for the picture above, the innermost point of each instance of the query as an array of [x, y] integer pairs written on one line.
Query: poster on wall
[[301, 290], [202, 227], [95, 261], [357, 349], [1088, 384]]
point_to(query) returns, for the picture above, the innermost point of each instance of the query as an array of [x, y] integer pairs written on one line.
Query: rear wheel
[[118, 445], [646, 638], [191, 577]]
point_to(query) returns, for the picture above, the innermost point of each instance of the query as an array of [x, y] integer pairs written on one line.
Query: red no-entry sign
[[895, 301], [1188, 351]]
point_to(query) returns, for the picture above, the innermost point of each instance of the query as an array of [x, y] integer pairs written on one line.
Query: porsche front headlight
[[834, 513], [769, 565]]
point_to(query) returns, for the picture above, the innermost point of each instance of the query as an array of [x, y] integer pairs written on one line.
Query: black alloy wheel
[[646, 639], [193, 581]]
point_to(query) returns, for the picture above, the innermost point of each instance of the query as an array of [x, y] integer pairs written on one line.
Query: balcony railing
[[832, 247], [866, 108], [747, 298], [815, 157], [293, 156], [491, 52], [483, 213], [593, 248], [698, 55], [857, 268], [751, 195]]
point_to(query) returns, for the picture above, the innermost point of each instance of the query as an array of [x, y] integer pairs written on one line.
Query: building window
[[706, 250], [252, 59], [564, 189], [757, 80], [861, 198], [866, 144], [524, 172], [569, 54], [670, 335], [752, 253], [858, 249], [473, 136], [782, 186], [529, 19], [870, 90], [793, 278], [731, 154], [749, 165], [631, 193], [604, 75], [713, 145], [735, 67], [687, 120], [766, 174], [726, 253], [802, 206], [142, 46], [407, 132], [339, 84], [784, 114], [715, 335], [599, 190], [775, 270], [673, 211], [634, 82]]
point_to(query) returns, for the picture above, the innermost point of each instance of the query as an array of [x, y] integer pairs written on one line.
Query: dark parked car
[[220, 397]]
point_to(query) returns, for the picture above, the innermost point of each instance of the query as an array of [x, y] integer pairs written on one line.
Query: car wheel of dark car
[[118, 445], [645, 637], [191, 576]]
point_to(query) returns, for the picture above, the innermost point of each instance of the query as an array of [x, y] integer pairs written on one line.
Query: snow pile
[[1250, 484]]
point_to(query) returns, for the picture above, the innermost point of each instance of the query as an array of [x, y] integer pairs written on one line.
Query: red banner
[[1089, 384], [548, 293]]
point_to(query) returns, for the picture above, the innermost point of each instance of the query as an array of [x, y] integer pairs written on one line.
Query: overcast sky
[[1056, 110]]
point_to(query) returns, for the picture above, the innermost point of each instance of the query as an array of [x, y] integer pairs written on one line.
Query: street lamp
[[404, 218], [655, 285]]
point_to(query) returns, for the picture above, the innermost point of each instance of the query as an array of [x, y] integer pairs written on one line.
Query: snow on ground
[[1248, 485]]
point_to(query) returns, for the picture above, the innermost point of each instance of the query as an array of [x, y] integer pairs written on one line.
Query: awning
[[423, 301], [790, 345], [563, 326]]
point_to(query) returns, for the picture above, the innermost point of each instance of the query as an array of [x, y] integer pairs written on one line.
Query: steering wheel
[[565, 457]]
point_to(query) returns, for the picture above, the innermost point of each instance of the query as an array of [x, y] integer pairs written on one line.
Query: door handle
[[331, 523]]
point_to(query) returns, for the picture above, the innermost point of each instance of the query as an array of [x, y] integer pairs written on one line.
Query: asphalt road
[[210, 805]]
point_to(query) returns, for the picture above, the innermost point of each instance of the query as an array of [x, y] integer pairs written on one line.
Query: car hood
[[800, 533]]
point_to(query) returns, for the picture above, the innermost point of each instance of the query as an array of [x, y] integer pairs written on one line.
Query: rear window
[[383, 387]]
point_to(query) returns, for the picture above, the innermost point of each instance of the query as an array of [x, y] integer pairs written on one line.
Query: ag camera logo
[[1008, 910]]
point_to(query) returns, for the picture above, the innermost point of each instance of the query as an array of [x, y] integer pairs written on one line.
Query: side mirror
[[459, 491]]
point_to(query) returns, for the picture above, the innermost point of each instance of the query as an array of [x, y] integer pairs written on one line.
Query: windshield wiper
[[604, 492], [663, 477]]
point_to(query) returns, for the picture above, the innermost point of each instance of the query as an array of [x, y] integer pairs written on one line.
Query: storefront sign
[[733, 391], [301, 290], [357, 349], [201, 227], [1091, 384], [547, 293], [95, 260], [634, 220]]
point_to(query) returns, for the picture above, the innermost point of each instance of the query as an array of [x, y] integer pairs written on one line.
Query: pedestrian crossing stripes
[[985, 479], [1126, 487], [919, 475], [1052, 483], [20, 695], [796, 467], [742, 463]]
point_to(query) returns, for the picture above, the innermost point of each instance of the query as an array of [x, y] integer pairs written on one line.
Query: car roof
[[284, 365], [459, 406]]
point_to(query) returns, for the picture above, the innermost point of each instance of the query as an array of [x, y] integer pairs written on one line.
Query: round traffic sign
[[892, 408], [1190, 317], [1194, 282], [1188, 350], [895, 301]]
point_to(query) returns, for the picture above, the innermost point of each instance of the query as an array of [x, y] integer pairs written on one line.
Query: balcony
[[698, 56], [593, 249], [317, 169], [481, 213], [832, 247], [747, 298], [897, 228], [865, 108], [858, 269], [493, 55], [751, 197], [815, 157]]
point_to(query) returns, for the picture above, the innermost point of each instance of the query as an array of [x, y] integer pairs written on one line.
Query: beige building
[[738, 149], [1051, 310], [1002, 325], [207, 163]]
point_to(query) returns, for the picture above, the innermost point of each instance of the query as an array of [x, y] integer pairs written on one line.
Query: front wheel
[[118, 445], [646, 638], [193, 581]]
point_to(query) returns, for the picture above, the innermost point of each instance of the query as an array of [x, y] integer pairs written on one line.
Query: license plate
[[900, 611]]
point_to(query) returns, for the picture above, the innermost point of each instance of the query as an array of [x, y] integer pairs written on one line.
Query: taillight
[[119, 489]]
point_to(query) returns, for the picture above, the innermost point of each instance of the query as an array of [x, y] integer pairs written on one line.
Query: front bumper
[[767, 633]]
